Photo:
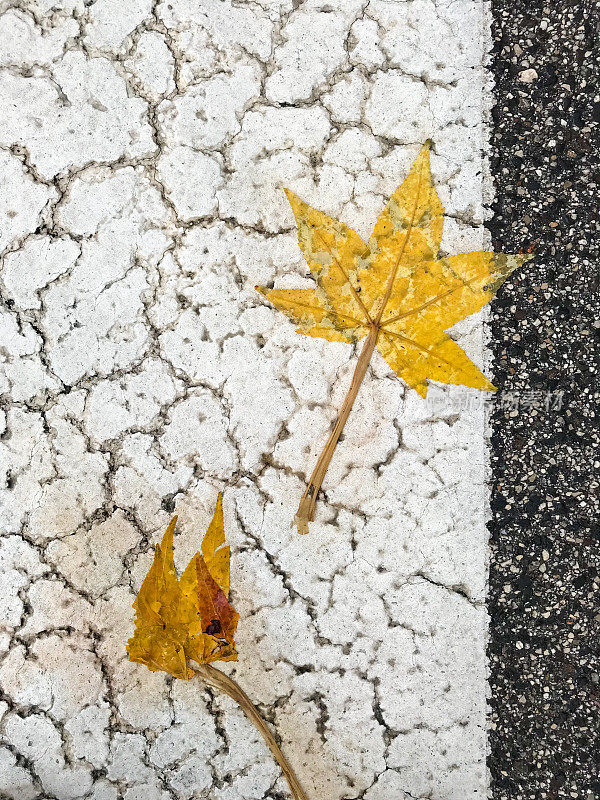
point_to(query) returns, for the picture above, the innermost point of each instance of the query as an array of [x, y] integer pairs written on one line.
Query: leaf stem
[[306, 509], [217, 679]]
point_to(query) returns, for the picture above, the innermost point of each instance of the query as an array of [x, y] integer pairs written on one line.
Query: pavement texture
[[544, 597], [144, 147]]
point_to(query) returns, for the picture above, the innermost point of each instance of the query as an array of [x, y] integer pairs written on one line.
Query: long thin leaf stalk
[[217, 679], [306, 509]]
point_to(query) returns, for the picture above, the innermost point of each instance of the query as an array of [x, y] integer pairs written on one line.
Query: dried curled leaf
[[394, 284], [187, 618]]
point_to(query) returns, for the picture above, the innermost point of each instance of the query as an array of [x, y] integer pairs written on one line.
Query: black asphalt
[[544, 599]]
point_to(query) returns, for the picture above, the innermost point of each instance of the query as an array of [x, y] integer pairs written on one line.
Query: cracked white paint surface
[[143, 150]]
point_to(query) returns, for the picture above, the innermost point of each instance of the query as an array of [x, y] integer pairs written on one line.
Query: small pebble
[[528, 76]]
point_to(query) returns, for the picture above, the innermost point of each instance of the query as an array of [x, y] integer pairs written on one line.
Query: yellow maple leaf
[[393, 290], [187, 618]]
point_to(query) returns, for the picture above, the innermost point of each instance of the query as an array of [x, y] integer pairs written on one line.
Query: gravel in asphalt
[[544, 645]]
